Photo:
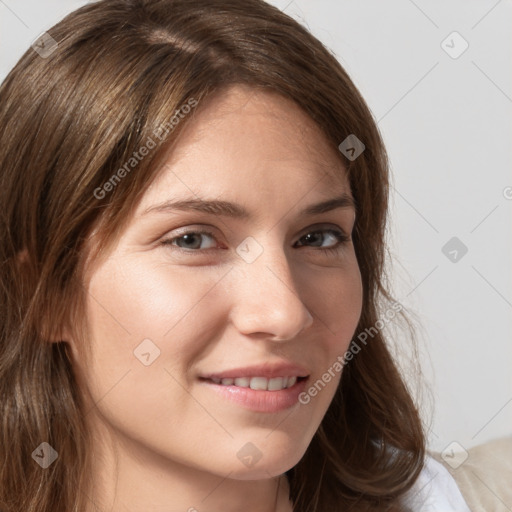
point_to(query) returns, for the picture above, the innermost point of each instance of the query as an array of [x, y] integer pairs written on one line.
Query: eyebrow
[[237, 211]]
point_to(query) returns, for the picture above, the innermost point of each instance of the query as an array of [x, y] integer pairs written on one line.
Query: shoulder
[[435, 490], [483, 474]]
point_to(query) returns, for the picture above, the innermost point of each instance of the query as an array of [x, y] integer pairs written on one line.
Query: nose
[[267, 300]]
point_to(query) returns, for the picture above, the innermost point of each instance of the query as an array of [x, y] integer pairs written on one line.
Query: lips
[[258, 400], [265, 388]]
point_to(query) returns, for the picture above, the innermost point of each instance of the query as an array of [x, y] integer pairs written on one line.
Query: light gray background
[[447, 125]]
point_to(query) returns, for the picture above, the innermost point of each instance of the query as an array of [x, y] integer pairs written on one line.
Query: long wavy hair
[[72, 112]]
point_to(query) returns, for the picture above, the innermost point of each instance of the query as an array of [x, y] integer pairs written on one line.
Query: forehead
[[250, 141], [256, 149]]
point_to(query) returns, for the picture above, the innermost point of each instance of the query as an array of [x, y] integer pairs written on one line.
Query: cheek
[[173, 314], [130, 303], [350, 302], [144, 299], [335, 298]]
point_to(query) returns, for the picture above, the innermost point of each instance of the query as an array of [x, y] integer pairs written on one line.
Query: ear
[[50, 335], [59, 332], [60, 336], [23, 259]]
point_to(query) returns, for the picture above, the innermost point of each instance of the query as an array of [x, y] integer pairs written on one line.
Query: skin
[[174, 439]]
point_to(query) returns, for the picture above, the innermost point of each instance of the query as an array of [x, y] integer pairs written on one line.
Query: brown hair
[[69, 120]]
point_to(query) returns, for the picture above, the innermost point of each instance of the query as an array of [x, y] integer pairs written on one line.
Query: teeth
[[276, 383], [258, 383], [242, 382]]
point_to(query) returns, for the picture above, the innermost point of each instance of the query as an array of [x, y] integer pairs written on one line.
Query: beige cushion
[[485, 477]]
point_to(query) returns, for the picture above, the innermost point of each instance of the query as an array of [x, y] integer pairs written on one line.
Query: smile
[[258, 394], [259, 383]]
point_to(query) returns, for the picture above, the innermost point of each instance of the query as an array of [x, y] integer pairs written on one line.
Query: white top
[[435, 490]]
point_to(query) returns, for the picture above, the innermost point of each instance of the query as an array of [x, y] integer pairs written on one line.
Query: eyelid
[[323, 226]]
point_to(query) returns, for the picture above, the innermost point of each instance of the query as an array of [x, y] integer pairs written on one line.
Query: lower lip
[[260, 400]]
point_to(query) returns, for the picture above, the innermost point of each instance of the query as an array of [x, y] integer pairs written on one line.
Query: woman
[[141, 371]]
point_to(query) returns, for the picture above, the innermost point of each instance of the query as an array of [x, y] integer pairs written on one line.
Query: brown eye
[[339, 237]]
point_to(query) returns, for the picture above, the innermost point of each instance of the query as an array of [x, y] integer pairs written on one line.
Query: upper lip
[[267, 370]]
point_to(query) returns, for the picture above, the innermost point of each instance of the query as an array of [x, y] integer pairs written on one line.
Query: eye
[[340, 238], [190, 241]]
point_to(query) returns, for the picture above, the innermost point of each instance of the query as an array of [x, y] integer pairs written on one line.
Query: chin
[[261, 471], [273, 462]]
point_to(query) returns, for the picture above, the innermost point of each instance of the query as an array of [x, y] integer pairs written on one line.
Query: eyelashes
[[339, 236]]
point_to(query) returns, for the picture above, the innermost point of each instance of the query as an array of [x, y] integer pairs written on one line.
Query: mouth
[[258, 394], [258, 383], [272, 386]]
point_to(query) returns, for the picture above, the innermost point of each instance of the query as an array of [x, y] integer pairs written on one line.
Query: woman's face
[[195, 303]]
